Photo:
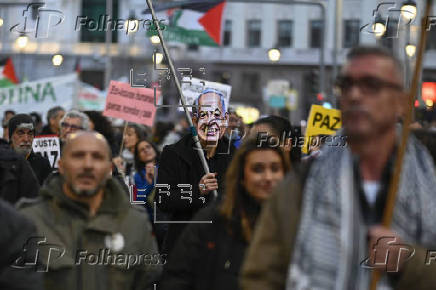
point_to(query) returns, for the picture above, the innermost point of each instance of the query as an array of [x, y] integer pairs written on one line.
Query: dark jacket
[[17, 178], [267, 260], [206, 256], [180, 164], [67, 225], [46, 130], [15, 231], [40, 165]]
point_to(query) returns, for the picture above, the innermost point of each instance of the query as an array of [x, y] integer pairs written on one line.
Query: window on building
[[351, 32], [97, 21], [93, 77], [250, 82], [227, 37], [315, 33], [431, 39], [192, 47], [222, 77], [253, 33], [284, 34]]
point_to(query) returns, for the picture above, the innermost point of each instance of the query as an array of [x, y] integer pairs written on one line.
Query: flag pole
[[197, 144], [393, 188]]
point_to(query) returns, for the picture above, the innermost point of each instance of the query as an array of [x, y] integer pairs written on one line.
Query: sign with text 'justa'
[[48, 146]]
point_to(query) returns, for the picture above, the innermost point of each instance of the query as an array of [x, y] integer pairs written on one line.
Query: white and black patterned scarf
[[331, 240]]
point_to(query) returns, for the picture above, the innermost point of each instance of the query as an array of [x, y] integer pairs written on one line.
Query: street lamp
[[379, 26], [1, 22], [22, 41], [57, 59], [158, 56], [155, 39], [410, 49], [274, 54], [408, 10]]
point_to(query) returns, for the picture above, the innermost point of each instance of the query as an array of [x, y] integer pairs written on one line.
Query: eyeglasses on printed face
[[66, 125], [367, 84]]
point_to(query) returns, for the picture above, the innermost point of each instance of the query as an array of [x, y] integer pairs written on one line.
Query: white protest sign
[[192, 87], [40, 95], [49, 147]]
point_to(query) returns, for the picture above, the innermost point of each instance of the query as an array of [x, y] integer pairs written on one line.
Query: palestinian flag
[[7, 76], [192, 22]]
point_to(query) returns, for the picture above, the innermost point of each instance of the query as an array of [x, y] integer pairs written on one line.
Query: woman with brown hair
[[208, 255]]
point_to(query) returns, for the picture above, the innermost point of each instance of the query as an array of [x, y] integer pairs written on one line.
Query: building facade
[[249, 30]]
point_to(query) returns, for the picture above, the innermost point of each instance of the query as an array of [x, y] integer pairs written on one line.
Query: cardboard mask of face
[[211, 119]]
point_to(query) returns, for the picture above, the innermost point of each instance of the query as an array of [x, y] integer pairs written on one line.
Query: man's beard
[[23, 151], [88, 192]]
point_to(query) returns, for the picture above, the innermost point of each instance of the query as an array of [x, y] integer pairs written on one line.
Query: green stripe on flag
[[5, 82], [179, 34]]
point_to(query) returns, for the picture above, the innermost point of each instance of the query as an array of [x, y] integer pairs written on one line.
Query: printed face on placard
[[211, 120]]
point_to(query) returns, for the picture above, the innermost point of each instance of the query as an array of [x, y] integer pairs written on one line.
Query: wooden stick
[[194, 132], [393, 188]]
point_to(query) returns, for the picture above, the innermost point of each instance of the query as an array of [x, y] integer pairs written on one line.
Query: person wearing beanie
[[21, 135]]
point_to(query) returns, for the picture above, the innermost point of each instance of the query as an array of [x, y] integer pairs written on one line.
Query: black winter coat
[[14, 234], [17, 178], [180, 164], [206, 256], [40, 165]]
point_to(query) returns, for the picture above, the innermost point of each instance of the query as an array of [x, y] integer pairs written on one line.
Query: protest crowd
[[124, 205]]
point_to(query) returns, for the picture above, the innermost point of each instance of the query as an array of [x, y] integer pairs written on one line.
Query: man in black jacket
[[17, 178], [21, 135], [182, 186]]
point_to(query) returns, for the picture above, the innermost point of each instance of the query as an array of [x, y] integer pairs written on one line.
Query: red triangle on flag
[[9, 72], [211, 21]]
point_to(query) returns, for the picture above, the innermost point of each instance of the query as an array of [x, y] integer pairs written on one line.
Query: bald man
[[98, 240]]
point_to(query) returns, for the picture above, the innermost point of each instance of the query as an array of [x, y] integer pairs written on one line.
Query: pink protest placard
[[131, 104]]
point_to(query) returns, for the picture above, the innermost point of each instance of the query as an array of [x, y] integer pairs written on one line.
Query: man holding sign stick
[[180, 165], [323, 227]]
